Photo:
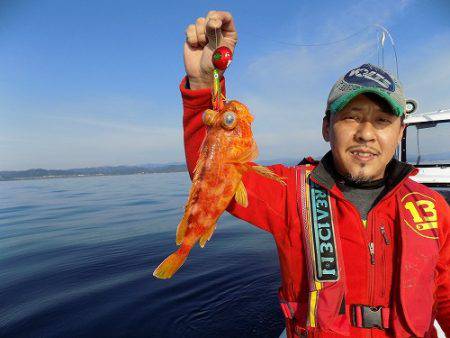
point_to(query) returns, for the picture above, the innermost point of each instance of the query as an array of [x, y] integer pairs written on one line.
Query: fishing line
[[370, 55], [381, 37], [215, 33], [309, 44]]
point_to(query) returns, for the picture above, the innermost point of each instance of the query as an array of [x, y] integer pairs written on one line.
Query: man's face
[[363, 138]]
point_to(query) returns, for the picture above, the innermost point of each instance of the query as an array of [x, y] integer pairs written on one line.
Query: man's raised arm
[[267, 198]]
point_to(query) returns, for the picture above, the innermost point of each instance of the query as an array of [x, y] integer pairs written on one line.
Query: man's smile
[[364, 154]]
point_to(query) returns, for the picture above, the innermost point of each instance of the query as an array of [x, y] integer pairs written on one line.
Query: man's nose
[[365, 132]]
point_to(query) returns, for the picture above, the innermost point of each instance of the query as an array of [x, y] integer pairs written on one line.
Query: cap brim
[[342, 101]]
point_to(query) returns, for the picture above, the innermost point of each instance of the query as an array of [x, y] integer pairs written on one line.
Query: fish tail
[[181, 230], [207, 235], [172, 263]]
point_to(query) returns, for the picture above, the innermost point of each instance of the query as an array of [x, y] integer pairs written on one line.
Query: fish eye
[[229, 120], [208, 117]]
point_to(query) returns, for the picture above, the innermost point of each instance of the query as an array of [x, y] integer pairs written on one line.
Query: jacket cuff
[[198, 99]]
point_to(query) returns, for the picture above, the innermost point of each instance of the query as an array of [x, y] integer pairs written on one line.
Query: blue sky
[[90, 83]]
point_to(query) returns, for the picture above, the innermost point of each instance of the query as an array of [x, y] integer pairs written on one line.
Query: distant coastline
[[33, 174], [153, 168], [150, 168]]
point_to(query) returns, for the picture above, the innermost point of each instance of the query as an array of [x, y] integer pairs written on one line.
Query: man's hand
[[202, 38]]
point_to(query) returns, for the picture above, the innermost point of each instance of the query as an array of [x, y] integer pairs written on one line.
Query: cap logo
[[369, 76]]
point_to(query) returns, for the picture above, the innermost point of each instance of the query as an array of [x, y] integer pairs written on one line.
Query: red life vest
[[327, 309]]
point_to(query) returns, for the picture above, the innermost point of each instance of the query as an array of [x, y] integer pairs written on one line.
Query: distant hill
[[94, 171], [148, 168], [435, 158], [158, 165]]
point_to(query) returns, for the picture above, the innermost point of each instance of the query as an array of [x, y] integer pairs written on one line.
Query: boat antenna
[[384, 32]]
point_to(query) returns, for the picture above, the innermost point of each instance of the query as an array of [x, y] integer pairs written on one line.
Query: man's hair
[[378, 100]]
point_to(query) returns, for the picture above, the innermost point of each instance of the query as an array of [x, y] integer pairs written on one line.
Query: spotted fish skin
[[224, 158]]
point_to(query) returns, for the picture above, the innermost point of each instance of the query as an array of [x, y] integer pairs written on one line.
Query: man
[[364, 250]]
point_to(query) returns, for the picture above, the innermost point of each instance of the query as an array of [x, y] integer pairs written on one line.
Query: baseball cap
[[367, 79]]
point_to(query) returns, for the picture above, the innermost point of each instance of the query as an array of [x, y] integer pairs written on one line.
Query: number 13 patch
[[421, 215]]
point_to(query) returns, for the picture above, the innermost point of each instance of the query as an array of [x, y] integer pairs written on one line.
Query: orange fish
[[223, 159]]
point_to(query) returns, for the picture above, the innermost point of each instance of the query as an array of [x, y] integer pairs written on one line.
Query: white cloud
[[287, 89], [426, 74], [90, 133]]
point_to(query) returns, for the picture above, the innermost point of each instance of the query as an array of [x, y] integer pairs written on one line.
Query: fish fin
[[181, 229], [241, 195], [246, 156], [183, 225], [172, 263], [207, 235], [202, 150], [266, 172], [198, 166]]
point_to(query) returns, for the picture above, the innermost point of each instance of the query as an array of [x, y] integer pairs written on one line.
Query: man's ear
[[326, 128], [402, 130]]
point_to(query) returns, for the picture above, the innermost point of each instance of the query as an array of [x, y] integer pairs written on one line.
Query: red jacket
[[273, 208]]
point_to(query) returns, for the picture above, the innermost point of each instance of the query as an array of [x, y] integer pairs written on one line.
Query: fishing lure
[[225, 156]]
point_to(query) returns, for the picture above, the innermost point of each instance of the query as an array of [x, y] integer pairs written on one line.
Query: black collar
[[325, 174]]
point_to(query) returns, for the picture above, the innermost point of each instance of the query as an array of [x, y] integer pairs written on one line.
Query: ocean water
[[77, 256]]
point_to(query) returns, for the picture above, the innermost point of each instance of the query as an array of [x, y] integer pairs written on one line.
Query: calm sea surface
[[77, 257]]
